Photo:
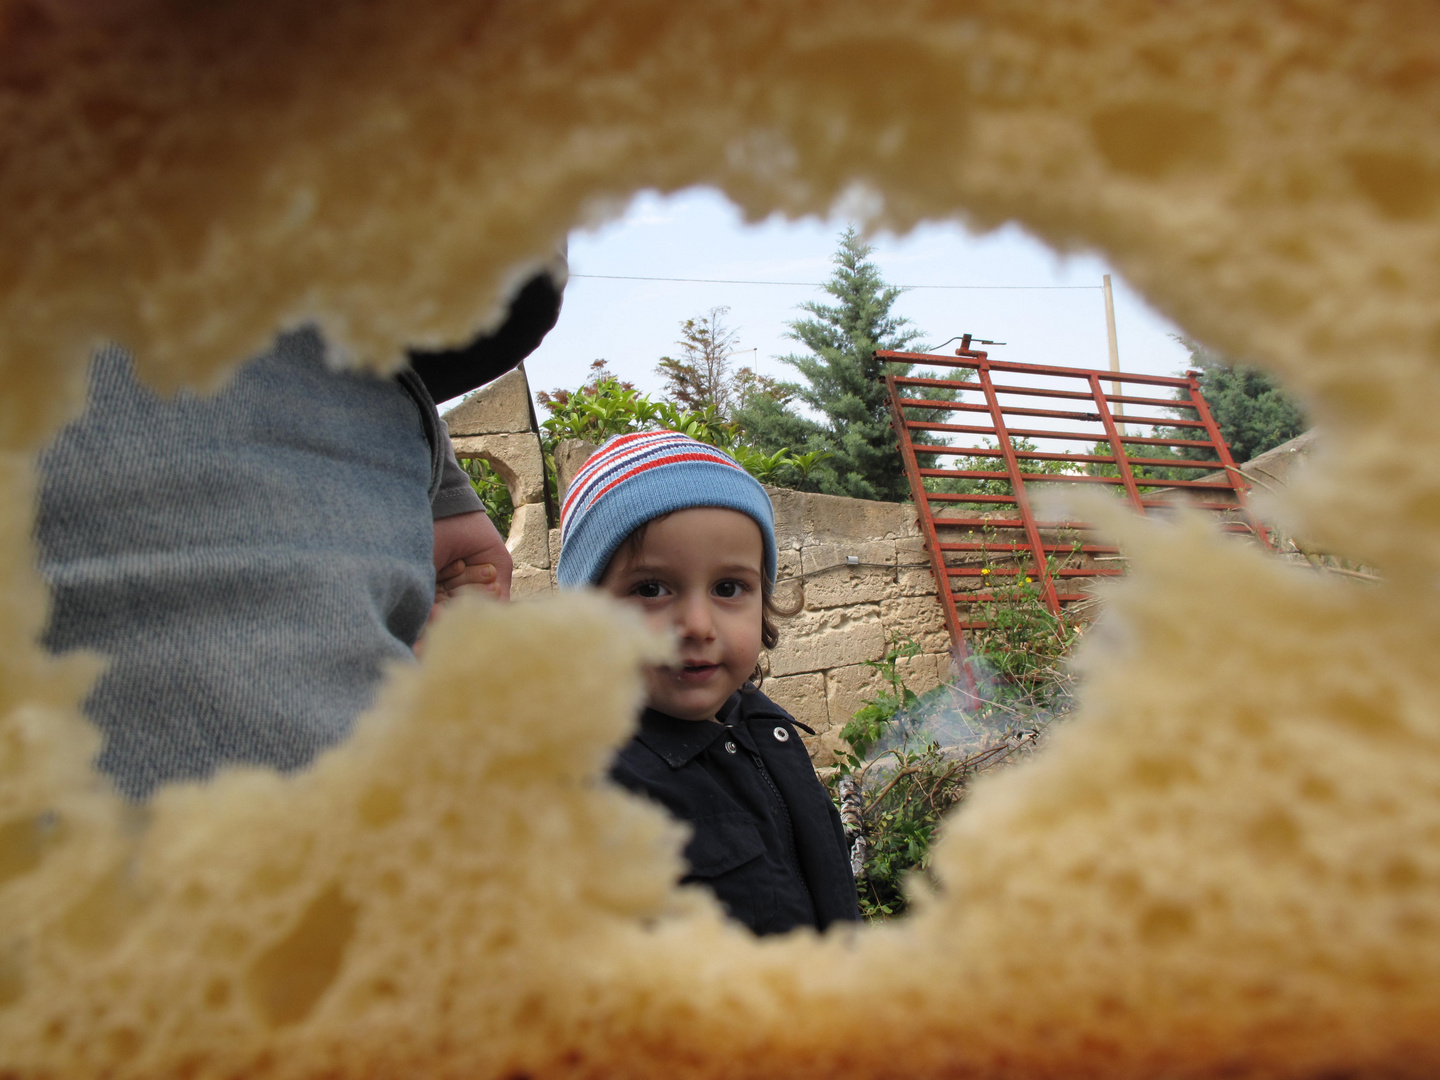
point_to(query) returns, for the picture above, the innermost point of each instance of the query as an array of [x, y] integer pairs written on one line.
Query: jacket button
[[782, 734], [730, 748]]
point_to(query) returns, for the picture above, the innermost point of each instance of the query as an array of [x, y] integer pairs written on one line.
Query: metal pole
[[1119, 410]]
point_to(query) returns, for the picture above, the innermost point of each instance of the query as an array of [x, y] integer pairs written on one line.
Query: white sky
[[698, 234]]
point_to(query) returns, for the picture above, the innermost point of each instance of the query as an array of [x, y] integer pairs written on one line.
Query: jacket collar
[[678, 742], [749, 704]]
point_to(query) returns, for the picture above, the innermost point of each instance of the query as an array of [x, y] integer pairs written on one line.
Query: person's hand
[[470, 556], [460, 576]]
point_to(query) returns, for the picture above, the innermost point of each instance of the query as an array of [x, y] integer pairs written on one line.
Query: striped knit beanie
[[636, 478]]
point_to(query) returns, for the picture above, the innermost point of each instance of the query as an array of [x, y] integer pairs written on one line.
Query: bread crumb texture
[[1228, 865]]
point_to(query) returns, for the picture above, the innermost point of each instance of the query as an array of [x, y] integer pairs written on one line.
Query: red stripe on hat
[[670, 459], [620, 448], [614, 450]]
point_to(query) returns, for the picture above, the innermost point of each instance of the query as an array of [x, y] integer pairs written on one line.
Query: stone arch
[[496, 424]]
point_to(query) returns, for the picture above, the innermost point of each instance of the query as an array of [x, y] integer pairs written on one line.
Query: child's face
[[697, 572]]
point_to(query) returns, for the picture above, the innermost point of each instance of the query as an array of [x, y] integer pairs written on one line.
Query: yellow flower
[[985, 571], [1027, 581]]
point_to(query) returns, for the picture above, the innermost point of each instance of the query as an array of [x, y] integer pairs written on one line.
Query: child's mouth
[[696, 672]]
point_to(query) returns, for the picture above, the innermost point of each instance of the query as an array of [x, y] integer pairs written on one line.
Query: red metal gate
[[986, 531]]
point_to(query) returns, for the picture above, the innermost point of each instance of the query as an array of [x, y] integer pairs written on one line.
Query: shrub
[[607, 406], [493, 492], [912, 756]]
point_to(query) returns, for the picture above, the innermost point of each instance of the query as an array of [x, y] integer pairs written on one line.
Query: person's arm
[[470, 556], [470, 553]]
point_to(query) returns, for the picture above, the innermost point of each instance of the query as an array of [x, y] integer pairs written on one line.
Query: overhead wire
[[811, 284]]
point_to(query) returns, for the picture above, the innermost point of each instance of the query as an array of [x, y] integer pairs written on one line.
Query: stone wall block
[[788, 587], [836, 519], [829, 582], [826, 748], [817, 640], [816, 557], [915, 581], [789, 517], [516, 457], [501, 406], [788, 562], [570, 454], [846, 690], [913, 576], [918, 617], [531, 581], [847, 587], [925, 671], [528, 543], [803, 697]]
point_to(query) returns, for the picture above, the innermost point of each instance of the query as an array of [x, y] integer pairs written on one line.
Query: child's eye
[[728, 590], [648, 590]]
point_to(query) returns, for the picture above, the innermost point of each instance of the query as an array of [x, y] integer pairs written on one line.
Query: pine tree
[[842, 382], [700, 376], [1251, 409]]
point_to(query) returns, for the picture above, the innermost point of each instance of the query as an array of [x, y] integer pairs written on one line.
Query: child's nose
[[695, 621]]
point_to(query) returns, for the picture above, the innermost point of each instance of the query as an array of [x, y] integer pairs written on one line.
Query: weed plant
[[913, 757]]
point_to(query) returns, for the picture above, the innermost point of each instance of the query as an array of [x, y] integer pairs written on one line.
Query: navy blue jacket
[[768, 840]]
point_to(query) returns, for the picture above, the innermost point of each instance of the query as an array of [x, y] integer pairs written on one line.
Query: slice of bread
[[1226, 866]]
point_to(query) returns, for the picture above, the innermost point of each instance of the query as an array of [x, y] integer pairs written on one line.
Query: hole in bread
[[12, 974], [24, 842], [1274, 834], [100, 918], [289, 978], [217, 993], [1401, 185], [381, 804], [1148, 139], [1165, 924], [283, 869], [121, 1044]]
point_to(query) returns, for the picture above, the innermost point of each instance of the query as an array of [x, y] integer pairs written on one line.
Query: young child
[[683, 533]]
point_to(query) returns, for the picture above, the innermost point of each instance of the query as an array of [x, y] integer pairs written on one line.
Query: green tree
[[700, 375], [842, 382], [1252, 411], [601, 379]]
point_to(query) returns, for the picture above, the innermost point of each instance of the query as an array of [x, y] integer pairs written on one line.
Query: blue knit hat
[[636, 478]]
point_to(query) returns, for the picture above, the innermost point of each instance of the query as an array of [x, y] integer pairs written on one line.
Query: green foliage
[[1251, 409], [493, 492], [868, 725], [1025, 646], [900, 819], [841, 383], [700, 377], [1142, 472], [984, 463], [606, 406], [915, 755]]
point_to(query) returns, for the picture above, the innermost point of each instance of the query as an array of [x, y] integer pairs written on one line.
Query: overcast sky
[[1058, 317]]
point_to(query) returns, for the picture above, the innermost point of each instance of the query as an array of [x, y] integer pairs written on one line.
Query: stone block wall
[[848, 613], [497, 423]]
